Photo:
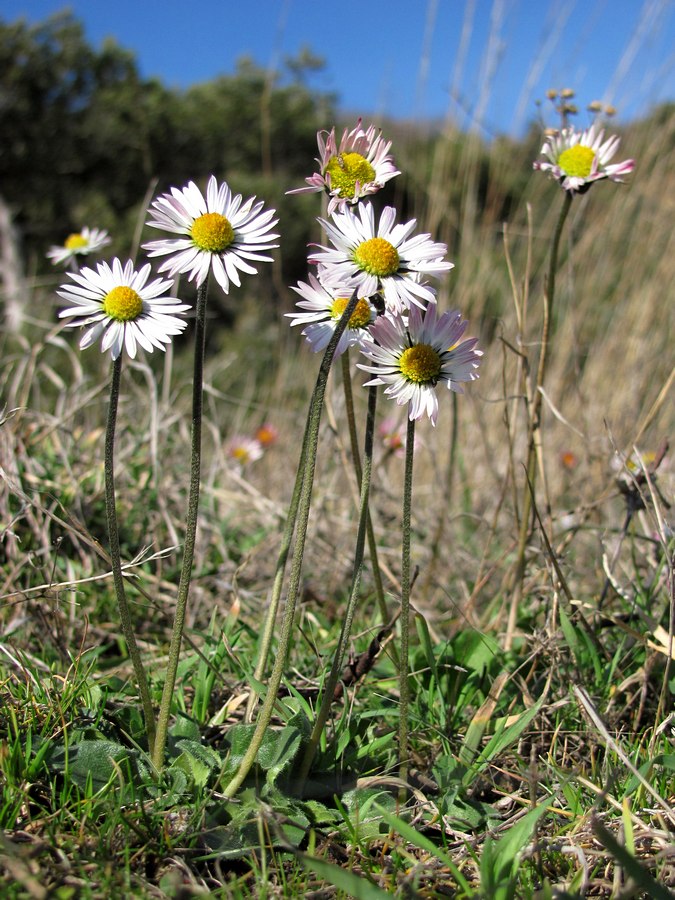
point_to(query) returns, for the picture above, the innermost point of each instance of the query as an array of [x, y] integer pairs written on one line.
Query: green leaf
[[354, 885], [474, 650], [500, 859], [196, 761], [95, 759], [413, 836], [278, 750]]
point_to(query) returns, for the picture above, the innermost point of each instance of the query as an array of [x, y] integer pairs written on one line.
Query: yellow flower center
[[212, 233], [377, 257], [577, 161], [421, 364], [360, 318], [345, 170], [123, 304], [75, 242], [241, 454]]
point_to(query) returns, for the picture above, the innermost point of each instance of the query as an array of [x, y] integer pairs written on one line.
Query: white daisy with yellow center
[[222, 233], [89, 240], [359, 166], [242, 450], [324, 305], [413, 355], [382, 259], [578, 158], [122, 309]]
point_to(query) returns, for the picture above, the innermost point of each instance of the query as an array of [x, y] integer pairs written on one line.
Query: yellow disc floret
[[361, 316], [75, 242], [577, 161], [123, 304], [346, 170], [377, 257], [421, 364], [212, 233]]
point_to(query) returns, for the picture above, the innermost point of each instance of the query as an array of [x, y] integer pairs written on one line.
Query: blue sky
[[484, 62]]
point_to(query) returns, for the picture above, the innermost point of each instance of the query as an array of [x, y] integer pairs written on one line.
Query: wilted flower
[[577, 158], [361, 165], [89, 240], [121, 309], [382, 260], [324, 305], [413, 356], [222, 233]]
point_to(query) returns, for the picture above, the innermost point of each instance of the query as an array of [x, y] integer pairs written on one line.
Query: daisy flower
[[361, 165], [89, 240], [221, 233], [412, 357], [577, 158], [324, 306], [243, 450], [267, 434], [384, 259], [121, 308]]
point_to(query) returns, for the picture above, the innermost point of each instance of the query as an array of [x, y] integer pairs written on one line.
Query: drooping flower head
[[325, 303], [578, 158], [412, 355], [222, 233], [121, 308], [82, 243], [383, 259], [360, 166]]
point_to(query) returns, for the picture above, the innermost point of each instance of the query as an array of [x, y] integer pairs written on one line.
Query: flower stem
[[534, 428], [316, 408], [338, 658], [114, 538], [404, 687], [271, 615], [190, 530], [354, 440]]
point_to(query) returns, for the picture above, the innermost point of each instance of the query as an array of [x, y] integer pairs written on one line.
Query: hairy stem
[[345, 632], [356, 458], [534, 427], [190, 529], [316, 408], [114, 538], [404, 687]]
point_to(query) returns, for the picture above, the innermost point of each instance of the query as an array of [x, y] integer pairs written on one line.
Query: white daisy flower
[[243, 450], [324, 305], [382, 260], [360, 166], [89, 240], [577, 158], [121, 309], [412, 357], [221, 233]]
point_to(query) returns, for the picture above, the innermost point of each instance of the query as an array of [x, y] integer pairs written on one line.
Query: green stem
[[354, 440], [271, 616], [316, 408], [345, 632], [114, 538], [534, 429], [190, 529], [404, 687]]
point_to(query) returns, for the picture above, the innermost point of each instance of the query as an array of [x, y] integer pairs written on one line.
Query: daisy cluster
[[408, 347], [220, 233]]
